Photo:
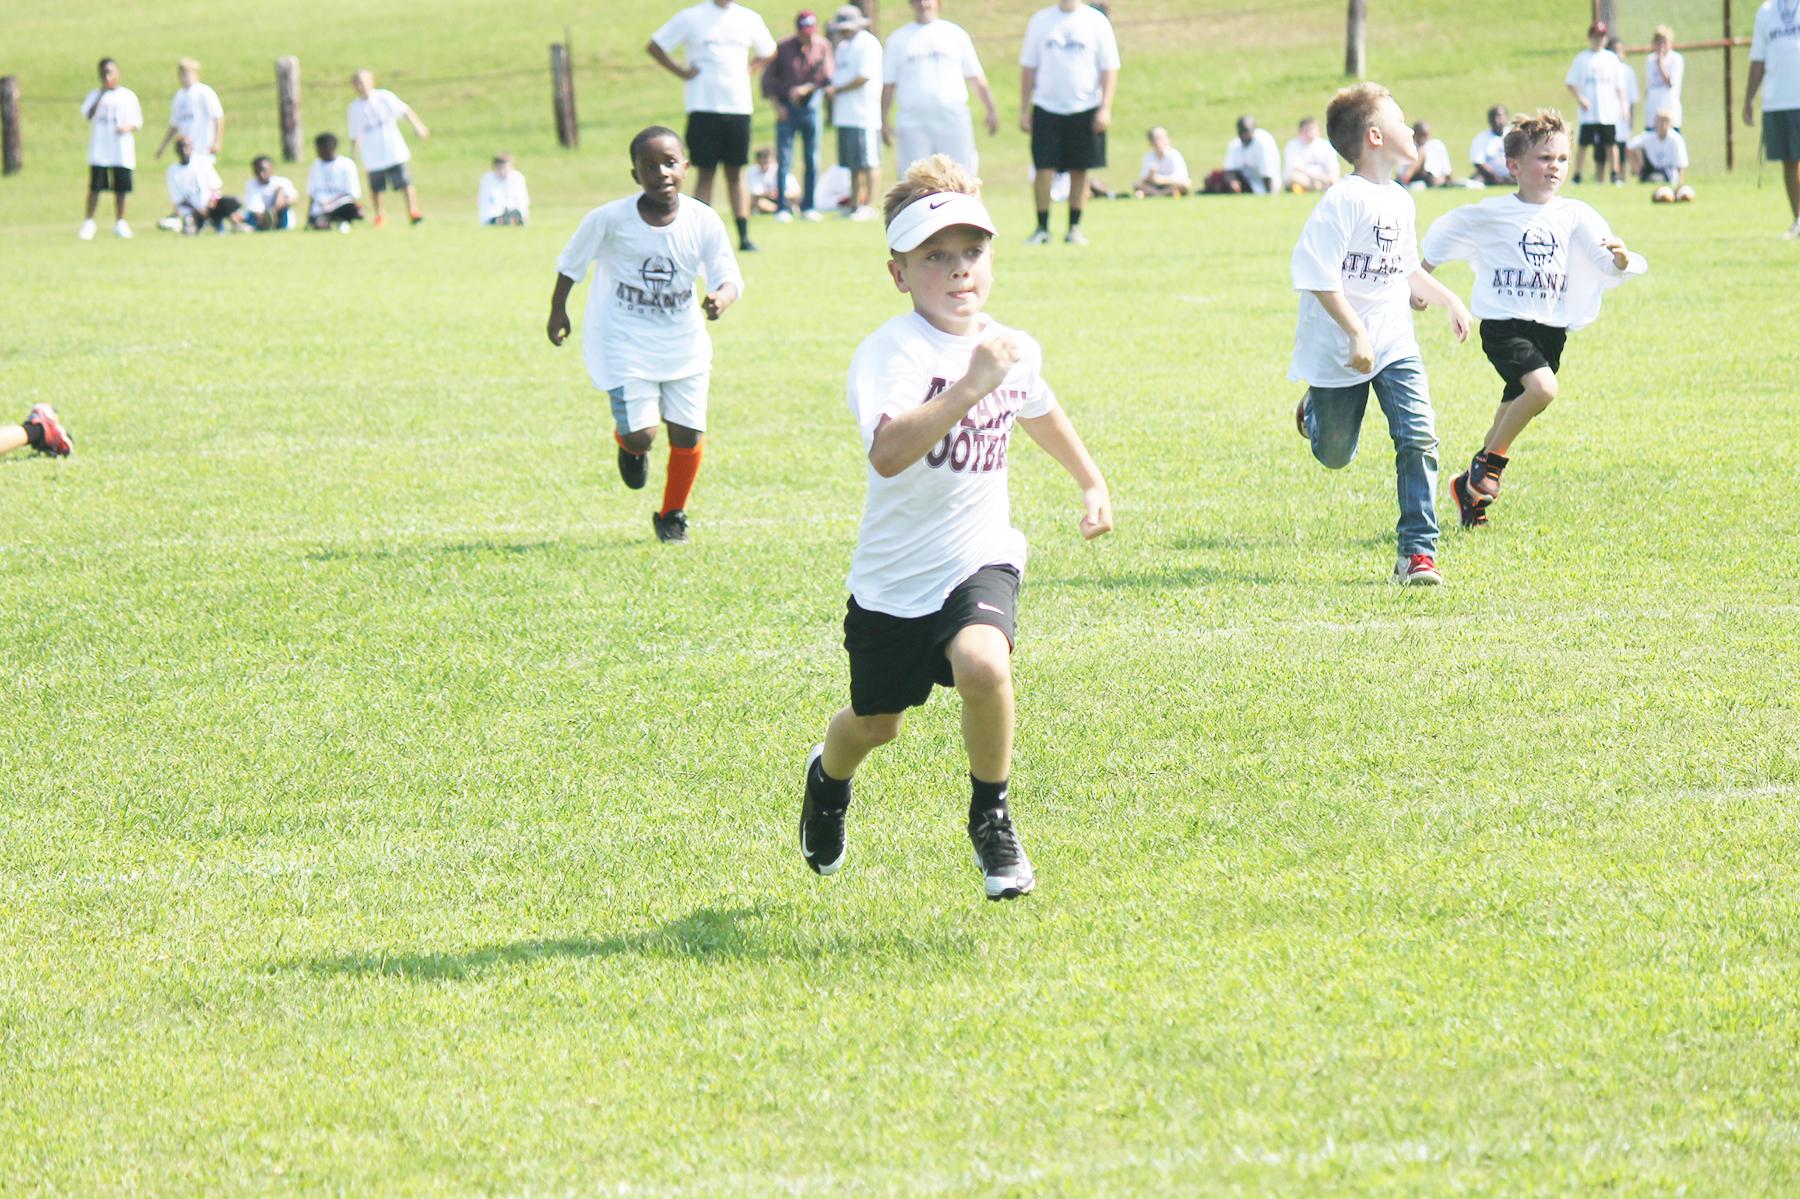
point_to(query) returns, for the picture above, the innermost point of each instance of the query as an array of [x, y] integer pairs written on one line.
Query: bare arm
[[980, 84], [717, 300], [418, 125], [558, 327], [218, 135], [164, 143], [902, 440], [1054, 432], [1027, 85], [1109, 83], [1427, 291], [1362, 352], [887, 109], [1755, 81], [1579, 98], [668, 64]]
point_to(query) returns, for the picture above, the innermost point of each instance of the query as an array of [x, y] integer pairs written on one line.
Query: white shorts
[[948, 131], [639, 403]]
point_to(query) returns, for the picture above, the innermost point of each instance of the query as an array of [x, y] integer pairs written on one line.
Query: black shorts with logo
[[718, 139], [1066, 143], [894, 660], [1599, 136], [110, 179], [1516, 348]]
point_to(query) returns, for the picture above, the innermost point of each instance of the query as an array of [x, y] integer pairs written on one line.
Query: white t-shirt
[[1434, 158], [1663, 90], [194, 184], [1600, 77], [929, 66], [107, 147], [1776, 45], [857, 57], [643, 316], [1489, 150], [329, 184], [1666, 154], [260, 197], [1069, 50], [1361, 241], [833, 188], [721, 42], [1316, 157], [1632, 96], [196, 113], [1534, 262], [375, 124], [1170, 166], [947, 515], [497, 195], [1260, 160]]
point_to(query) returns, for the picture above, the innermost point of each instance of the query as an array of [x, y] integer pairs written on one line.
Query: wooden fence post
[[287, 103], [9, 123], [562, 87], [1353, 38]]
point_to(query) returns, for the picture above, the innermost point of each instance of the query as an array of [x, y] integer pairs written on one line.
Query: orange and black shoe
[[1478, 487], [45, 434], [1470, 509], [415, 216]]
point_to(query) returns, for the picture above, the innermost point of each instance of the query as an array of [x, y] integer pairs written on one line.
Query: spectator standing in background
[[723, 44], [855, 94], [1775, 57], [1068, 72], [1663, 72], [1633, 97], [375, 136], [196, 114], [793, 83], [928, 68], [1597, 81], [115, 115]]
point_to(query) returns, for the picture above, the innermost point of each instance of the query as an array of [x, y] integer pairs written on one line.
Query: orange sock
[[683, 466]]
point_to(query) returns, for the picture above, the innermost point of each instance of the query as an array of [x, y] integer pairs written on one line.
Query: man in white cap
[[934, 583], [855, 94], [928, 69]]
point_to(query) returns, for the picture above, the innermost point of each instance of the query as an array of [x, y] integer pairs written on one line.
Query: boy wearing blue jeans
[[1358, 272]]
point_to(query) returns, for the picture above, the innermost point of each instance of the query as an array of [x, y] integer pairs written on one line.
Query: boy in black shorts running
[[1541, 263], [934, 584]]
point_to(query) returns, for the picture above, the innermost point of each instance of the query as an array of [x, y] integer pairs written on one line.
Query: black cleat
[[821, 827], [1471, 508], [1005, 870], [672, 527], [633, 468]]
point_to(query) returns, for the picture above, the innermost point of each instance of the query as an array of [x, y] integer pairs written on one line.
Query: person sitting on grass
[[1252, 162], [1309, 164], [1487, 153], [934, 583], [333, 188], [41, 431], [502, 198], [269, 198], [1165, 171], [197, 192], [1541, 263], [1661, 157], [761, 182], [1432, 168]]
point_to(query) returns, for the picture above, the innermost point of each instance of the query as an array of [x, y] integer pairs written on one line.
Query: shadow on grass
[[392, 553], [708, 934]]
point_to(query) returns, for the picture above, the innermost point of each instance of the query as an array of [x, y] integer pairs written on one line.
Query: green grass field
[[382, 810]]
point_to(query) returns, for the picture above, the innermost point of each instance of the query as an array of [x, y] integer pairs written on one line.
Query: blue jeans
[[805, 122], [1334, 421]]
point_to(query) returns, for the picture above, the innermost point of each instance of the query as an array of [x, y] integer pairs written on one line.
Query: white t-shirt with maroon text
[[947, 515]]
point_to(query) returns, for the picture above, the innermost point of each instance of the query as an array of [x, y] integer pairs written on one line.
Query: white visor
[[928, 214]]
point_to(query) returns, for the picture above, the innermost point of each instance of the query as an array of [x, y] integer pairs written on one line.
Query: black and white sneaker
[[1005, 870], [673, 527], [821, 827], [634, 468]]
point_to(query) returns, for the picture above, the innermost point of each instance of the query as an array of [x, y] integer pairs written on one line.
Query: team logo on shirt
[[1539, 246], [977, 444], [656, 296], [1788, 10], [657, 273], [1387, 232]]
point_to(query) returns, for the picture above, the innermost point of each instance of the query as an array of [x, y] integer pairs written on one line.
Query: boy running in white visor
[[934, 583]]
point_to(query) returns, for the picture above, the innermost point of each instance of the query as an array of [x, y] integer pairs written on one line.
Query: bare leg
[[1791, 173], [703, 184], [93, 203], [11, 438], [864, 186], [375, 198], [851, 738], [682, 437], [981, 663], [1514, 415], [639, 441], [1041, 183], [119, 199], [740, 195], [412, 199], [1078, 190]]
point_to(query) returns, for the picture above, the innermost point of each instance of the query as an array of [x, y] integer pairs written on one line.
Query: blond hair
[[1349, 116], [1665, 33], [928, 177], [361, 73], [1528, 132], [187, 64]]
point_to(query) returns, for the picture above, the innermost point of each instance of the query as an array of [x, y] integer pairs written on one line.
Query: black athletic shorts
[[894, 660], [1516, 348], [1066, 143], [110, 179], [1781, 135], [717, 139], [1600, 136]]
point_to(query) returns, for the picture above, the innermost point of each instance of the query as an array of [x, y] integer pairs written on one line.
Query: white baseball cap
[[928, 214]]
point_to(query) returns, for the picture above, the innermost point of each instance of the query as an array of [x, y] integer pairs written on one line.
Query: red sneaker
[[380, 219], [1417, 570], [56, 439]]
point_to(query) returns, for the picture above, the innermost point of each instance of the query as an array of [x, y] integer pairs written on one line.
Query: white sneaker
[[171, 224], [811, 214], [343, 226], [1076, 237], [864, 213], [122, 230], [1040, 238], [86, 232], [1792, 234], [784, 217]]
